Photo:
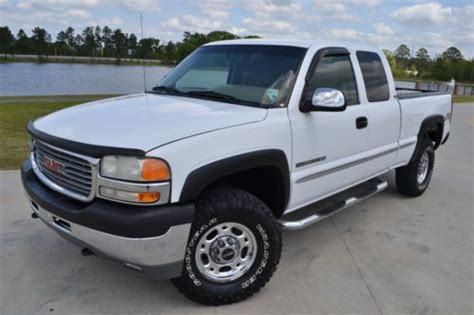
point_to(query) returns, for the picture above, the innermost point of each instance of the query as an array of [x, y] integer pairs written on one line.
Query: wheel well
[[263, 173], [265, 183], [434, 132], [431, 128]]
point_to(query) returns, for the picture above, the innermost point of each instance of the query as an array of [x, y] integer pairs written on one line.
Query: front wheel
[[413, 179], [234, 248]]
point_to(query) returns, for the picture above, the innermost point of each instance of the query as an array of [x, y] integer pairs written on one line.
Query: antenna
[[143, 59]]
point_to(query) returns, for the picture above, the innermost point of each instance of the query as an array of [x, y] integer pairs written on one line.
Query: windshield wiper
[[167, 90], [221, 97]]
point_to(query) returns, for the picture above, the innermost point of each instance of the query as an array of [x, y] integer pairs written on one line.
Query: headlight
[[134, 169], [138, 180]]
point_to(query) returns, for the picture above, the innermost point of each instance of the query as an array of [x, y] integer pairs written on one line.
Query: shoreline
[[83, 60]]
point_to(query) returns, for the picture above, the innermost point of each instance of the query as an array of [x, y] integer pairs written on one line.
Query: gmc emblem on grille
[[53, 165]]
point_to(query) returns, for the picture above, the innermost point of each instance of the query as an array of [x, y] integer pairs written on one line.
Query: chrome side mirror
[[328, 99]]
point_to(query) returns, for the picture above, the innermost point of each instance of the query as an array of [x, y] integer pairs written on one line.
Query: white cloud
[[267, 9], [141, 6], [192, 23], [241, 31], [56, 5], [370, 3], [383, 29], [345, 33], [215, 10], [431, 13], [334, 11], [173, 24], [270, 28], [77, 13], [112, 22]]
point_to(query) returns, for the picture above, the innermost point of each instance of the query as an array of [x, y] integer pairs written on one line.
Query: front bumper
[[151, 239]]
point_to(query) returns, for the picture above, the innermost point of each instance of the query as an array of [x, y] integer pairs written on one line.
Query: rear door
[[383, 111]]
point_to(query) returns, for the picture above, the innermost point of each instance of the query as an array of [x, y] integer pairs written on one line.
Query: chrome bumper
[[159, 257]]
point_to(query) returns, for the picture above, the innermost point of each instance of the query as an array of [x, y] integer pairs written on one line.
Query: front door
[[326, 143]]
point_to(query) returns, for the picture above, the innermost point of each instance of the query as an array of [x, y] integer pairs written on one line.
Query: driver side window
[[335, 72]]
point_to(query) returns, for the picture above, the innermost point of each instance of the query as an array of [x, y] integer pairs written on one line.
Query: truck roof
[[295, 43]]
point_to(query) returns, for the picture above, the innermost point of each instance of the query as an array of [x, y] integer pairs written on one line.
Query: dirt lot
[[387, 255]]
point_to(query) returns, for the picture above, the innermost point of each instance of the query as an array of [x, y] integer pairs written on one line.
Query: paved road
[[389, 255]]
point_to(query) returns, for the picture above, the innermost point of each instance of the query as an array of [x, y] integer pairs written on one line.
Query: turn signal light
[[130, 196], [155, 170], [148, 197]]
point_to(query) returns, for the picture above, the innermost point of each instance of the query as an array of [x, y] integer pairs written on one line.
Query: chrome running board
[[300, 219]]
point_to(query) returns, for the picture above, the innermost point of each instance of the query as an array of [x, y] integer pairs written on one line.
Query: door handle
[[361, 122]]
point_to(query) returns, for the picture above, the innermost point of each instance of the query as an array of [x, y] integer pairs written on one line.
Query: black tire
[[407, 176], [231, 205]]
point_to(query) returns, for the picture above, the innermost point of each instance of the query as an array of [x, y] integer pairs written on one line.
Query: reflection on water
[[62, 79]]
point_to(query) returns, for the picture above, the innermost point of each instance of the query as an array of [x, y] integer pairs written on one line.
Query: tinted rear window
[[375, 79]]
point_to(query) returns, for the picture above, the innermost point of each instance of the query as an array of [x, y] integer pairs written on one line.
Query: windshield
[[258, 75]]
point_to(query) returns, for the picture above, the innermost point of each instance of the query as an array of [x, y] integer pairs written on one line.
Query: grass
[[16, 112], [463, 99]]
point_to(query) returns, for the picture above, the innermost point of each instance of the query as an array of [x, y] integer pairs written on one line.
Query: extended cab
[[195, 179]]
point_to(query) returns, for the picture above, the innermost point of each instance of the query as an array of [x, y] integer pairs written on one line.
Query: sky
[[435, 25]]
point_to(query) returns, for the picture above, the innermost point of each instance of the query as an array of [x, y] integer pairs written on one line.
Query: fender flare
[[427, 122], [202, 177]]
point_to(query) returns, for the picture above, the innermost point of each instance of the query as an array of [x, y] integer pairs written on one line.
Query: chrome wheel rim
[[226, 252], [423, 168]]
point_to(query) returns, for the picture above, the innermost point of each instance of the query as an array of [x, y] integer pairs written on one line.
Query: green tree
[[107, 41], [60, 46], [147, 47], [422, 55], [98, 37], [23, 44], [169, 53], [190, 42], [7, 40], [70, 38], [120, 43], [90, 43], [41, 40], [422, 59], [220, 35], [402, 54], [132, 44], [452, 54]]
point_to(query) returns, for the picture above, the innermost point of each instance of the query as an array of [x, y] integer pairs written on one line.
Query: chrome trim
[[94, 165], [164, 188], [308, 162], [150, 251], [350, 164], [380, 185]]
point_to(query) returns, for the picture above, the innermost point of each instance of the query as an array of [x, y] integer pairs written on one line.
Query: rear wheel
[[233, 250], [413, 179]]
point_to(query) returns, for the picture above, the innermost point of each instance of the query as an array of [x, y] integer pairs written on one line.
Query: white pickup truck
[[195, 179]]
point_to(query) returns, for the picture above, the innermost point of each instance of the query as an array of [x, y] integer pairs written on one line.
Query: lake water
[[63, 79]]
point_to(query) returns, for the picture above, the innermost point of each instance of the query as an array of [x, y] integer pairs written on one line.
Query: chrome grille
[[67, 171]]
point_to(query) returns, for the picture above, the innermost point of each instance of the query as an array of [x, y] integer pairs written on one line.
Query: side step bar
[[332, 205]]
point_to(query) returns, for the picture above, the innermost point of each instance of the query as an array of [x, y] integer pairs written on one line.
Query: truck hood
[[144, 121]]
